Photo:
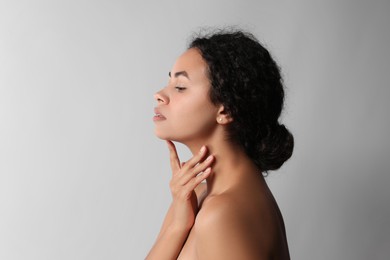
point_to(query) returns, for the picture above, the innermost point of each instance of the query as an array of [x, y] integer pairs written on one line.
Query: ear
[[223, 117]]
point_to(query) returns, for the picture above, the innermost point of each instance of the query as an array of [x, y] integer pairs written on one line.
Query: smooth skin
[[232, 215]]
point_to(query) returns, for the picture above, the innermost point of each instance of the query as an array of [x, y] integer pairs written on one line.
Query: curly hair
[[247, 82]]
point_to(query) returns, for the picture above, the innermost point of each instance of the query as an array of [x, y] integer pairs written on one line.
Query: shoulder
[[223, 230], [220, 209]]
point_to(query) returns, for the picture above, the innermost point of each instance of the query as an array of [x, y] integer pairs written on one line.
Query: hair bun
[[276, 148]]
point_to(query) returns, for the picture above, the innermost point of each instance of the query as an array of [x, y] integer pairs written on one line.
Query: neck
[[230, 167]]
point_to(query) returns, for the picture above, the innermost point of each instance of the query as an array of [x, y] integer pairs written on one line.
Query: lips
[[157, 115]]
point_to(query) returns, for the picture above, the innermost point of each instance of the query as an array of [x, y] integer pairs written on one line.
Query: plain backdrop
[[82, 175]]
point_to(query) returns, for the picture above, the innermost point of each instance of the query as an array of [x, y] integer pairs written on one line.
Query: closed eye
[[180, 89]]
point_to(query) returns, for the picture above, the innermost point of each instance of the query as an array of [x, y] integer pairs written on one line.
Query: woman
[[223, 101]]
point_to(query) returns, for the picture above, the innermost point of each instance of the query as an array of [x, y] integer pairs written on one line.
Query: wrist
[[175, 229]]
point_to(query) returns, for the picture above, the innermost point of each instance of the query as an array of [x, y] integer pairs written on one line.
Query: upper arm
[[223, 233]]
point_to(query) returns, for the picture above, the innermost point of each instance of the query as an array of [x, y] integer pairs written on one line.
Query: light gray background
[[82, 175]]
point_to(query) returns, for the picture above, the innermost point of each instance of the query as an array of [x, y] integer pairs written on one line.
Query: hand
[[185, 178]]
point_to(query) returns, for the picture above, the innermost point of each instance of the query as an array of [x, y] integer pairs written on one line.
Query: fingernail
[[202, 149], [209, 158], [207, 170]]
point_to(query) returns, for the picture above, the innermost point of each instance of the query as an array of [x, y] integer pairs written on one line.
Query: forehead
[[192, 62]]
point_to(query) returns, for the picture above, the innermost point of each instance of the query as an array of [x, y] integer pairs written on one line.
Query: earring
[[220, 119]]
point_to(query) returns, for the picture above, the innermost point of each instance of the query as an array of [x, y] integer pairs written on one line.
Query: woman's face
[[184, 112]]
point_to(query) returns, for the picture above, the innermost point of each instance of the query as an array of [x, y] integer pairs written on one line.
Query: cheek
[[196, 114], [190, 116]]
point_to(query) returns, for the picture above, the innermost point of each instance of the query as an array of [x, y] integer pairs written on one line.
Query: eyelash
[[180, 89]]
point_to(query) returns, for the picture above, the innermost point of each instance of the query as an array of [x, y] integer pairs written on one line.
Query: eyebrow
[[180, 73]]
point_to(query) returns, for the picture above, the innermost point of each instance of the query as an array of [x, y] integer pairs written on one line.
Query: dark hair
[[247, 82]]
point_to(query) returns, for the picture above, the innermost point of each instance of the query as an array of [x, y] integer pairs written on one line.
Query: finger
[[174, 158], [196, 158], [197, 170], [194, 182]]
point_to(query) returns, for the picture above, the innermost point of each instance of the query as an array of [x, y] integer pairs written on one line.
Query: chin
[[161, 135], [176, 136], [164, 136]]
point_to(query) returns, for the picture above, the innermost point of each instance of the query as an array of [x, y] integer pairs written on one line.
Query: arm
[[181, 214], [200, 192]]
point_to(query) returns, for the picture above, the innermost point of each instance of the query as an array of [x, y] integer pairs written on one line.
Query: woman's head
[[185, 112], [247, 82]]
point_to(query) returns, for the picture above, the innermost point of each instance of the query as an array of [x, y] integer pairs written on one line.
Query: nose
[[160, 97]]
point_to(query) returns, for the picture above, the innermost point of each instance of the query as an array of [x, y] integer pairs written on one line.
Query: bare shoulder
[[221, 208], [228, 228], [223, 232]]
